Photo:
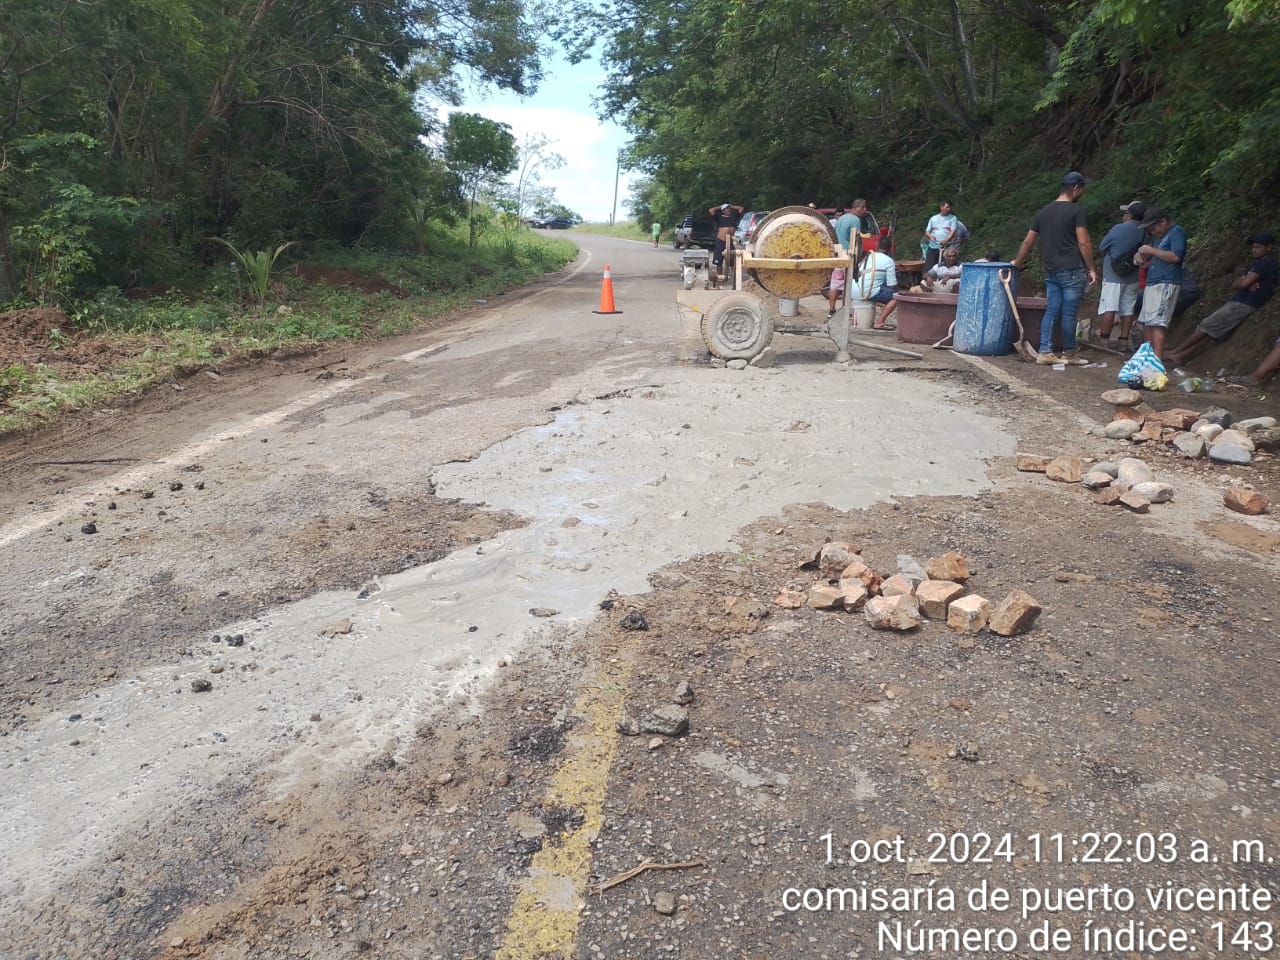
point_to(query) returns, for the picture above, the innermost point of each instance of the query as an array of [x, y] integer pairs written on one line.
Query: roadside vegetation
[[623, 229], [184, 183]]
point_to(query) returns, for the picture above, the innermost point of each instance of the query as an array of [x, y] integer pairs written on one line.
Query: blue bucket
[[984, 319]]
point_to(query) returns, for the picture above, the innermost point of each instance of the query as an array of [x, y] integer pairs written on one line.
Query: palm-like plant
[[257, 265]]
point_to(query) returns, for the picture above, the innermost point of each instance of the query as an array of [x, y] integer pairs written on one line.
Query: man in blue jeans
[[1067, 253]]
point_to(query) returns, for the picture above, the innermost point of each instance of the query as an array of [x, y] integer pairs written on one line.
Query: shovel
[[1021, 346]]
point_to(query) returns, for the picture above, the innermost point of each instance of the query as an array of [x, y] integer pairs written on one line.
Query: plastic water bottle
[[1191, 385]]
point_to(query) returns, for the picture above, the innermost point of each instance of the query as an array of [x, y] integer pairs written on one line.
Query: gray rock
[[1217, 415], [909, 568], [765, 358], [1132, 470], [1096, 479], [1238, 437], [1190, 445], [684, 693], [664, 902], [1206, 431], [628, 726], [1255, 423], [1121, 429], [1122, 397], [737, 364], [1107, 467], [1229, 453], [668, 720], [1154, 490]]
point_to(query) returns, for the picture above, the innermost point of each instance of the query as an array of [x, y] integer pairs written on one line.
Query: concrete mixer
[[790, 256]]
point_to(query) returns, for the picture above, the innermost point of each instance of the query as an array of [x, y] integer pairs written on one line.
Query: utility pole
[[617, 174]]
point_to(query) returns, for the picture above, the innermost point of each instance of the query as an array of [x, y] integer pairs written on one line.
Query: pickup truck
[[695, 232]]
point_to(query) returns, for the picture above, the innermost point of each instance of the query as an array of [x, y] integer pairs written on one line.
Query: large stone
[[737, 364], [896, 585], [1121, 429], [1108, 496], [892, 613], [1189, 445], [1238, 437], [1136, 415], [1135, 501], [1156, 491], [860, 571], [790, 599], [667, 720], [1243, 500], [1230, 453], [853, 593], [1096, 480], [934, 595], [836, 555], [1179, 418], [1266, 438], [949, 566], [1014, 614], [765, 358], [969, 614], [1133, 470], [1032, 462], [1217, 415], [823, 596], [1208, 432], [1254, 424], [1106, 466], [1152, 430], [1122, 397], [909, 568], [1064, 469]]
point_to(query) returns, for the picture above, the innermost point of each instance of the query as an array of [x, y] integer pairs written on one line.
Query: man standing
[[1067, 253], [1253, 289], [656, 230], [1163, 260], [938, 232], [849, 229], [1120, 273], [725, 217]]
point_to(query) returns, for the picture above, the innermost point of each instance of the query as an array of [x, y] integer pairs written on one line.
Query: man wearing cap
[[1067, 252], [1119, 272], [1253, 289], [725, 217], [1163, 259]]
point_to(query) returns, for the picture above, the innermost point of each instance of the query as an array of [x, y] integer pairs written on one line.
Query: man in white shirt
[[878, 279]]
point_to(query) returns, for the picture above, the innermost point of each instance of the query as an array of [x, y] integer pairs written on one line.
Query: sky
[[562, 110]]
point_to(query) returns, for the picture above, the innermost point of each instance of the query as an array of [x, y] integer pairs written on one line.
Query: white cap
[[724, 206]]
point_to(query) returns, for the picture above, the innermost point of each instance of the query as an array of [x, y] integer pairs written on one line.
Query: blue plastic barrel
[[984, 319]]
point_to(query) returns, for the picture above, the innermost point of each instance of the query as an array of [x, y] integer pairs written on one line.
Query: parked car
[[695, 232], [747, 225], [556, 223]]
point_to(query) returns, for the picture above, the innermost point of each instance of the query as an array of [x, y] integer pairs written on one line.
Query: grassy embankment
[[111, 347]]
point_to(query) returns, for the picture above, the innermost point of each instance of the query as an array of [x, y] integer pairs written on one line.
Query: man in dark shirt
[[1067, 252], [725, 217], [1253, 289]]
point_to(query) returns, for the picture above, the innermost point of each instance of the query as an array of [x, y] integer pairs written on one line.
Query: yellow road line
[[544, 918]]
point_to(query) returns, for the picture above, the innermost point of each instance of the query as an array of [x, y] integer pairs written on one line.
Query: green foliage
[[257, 266], [480, 152]]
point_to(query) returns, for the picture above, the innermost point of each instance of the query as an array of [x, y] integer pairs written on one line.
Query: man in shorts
[[1163, 258], [1119, 273], [1253, 289], [849, 229]]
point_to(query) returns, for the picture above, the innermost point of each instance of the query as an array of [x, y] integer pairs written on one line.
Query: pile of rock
[[1193, 433], [1130, 482], [905, 599]]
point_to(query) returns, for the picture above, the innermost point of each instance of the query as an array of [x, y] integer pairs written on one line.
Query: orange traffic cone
[[606, 294]]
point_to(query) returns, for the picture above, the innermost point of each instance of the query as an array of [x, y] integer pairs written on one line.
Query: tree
[[534, 156], [480, 152]]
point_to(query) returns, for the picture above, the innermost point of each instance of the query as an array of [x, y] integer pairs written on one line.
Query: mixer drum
[[793, 233]]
